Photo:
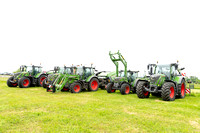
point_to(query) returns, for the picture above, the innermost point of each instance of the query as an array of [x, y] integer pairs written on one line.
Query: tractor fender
[[79, 81], [91, 77], [37, 76], [136, 82], [180, 80], [176, 84]]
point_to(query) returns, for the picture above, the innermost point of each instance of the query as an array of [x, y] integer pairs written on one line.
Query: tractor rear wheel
[[168, 92], [11, 84], [75, 87], [24, 82], [181, 90], [41, 79], [94, 84], [109, 88], [140, 91], [44, 83], [125, 89]]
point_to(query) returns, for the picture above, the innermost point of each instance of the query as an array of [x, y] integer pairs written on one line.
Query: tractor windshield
[[38, 69], [28, 69], [121, 74], [68, 70], [88, 71], [163, 69], [61, 70], [22, 68], [79, 71]]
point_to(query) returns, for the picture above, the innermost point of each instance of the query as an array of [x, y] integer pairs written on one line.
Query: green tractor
[[82, 78], [57, 77], [104, 78], [165, 81], [124, 81], [56, 72], [28, 75]]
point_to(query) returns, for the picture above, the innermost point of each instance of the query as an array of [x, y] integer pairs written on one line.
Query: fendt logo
[[183, 74]]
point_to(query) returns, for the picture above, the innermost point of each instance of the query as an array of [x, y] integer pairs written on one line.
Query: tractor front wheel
[[181, 91], [44, 83], [125, 89], [41, 79], [24, 82], [11, 84], [140, 91], [75, 87], [94, 84], [168, 92], [109, 88]]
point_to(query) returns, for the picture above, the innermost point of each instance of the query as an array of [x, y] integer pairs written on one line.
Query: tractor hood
[[119, 79], [106, 74], [20, 74], [155, 78], [48, 72]]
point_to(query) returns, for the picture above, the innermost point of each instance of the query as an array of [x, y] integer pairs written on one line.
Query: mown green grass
[[35, 110]]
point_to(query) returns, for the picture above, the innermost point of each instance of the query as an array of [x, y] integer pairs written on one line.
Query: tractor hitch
[[152, 89]]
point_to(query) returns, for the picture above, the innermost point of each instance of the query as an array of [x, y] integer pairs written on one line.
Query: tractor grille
[[154, 78], [117, 79]]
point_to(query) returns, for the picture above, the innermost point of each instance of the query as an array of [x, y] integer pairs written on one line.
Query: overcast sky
[[84, 31]]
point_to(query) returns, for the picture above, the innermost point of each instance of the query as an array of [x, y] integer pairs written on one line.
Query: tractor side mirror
[[182, 68], [151, 71], [147, 67]]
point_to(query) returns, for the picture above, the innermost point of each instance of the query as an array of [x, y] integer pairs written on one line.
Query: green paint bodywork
[[59, 73], [81, 74], [122, 77], [164, 76], [33, 72]]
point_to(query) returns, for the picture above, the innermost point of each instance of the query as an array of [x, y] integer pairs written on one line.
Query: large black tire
[[54, 89], [168, 92], [48, 89], [109, 88], [24, 82], [125, 89], [181, 90], [156, 94], [40, 79], [140, 91], [11, 84], [75, 87], [94, 84], [102, 87], [44, 83]]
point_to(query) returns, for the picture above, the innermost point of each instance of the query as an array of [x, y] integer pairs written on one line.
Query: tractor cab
[[169, 71], [22, 68], [151, 69], [85, 72], [33, 70], [131, 75]]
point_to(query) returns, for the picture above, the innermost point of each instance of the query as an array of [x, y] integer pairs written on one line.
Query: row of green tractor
[[165, 81]]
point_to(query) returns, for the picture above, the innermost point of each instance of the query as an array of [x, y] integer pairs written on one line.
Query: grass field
[[35, 110]]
